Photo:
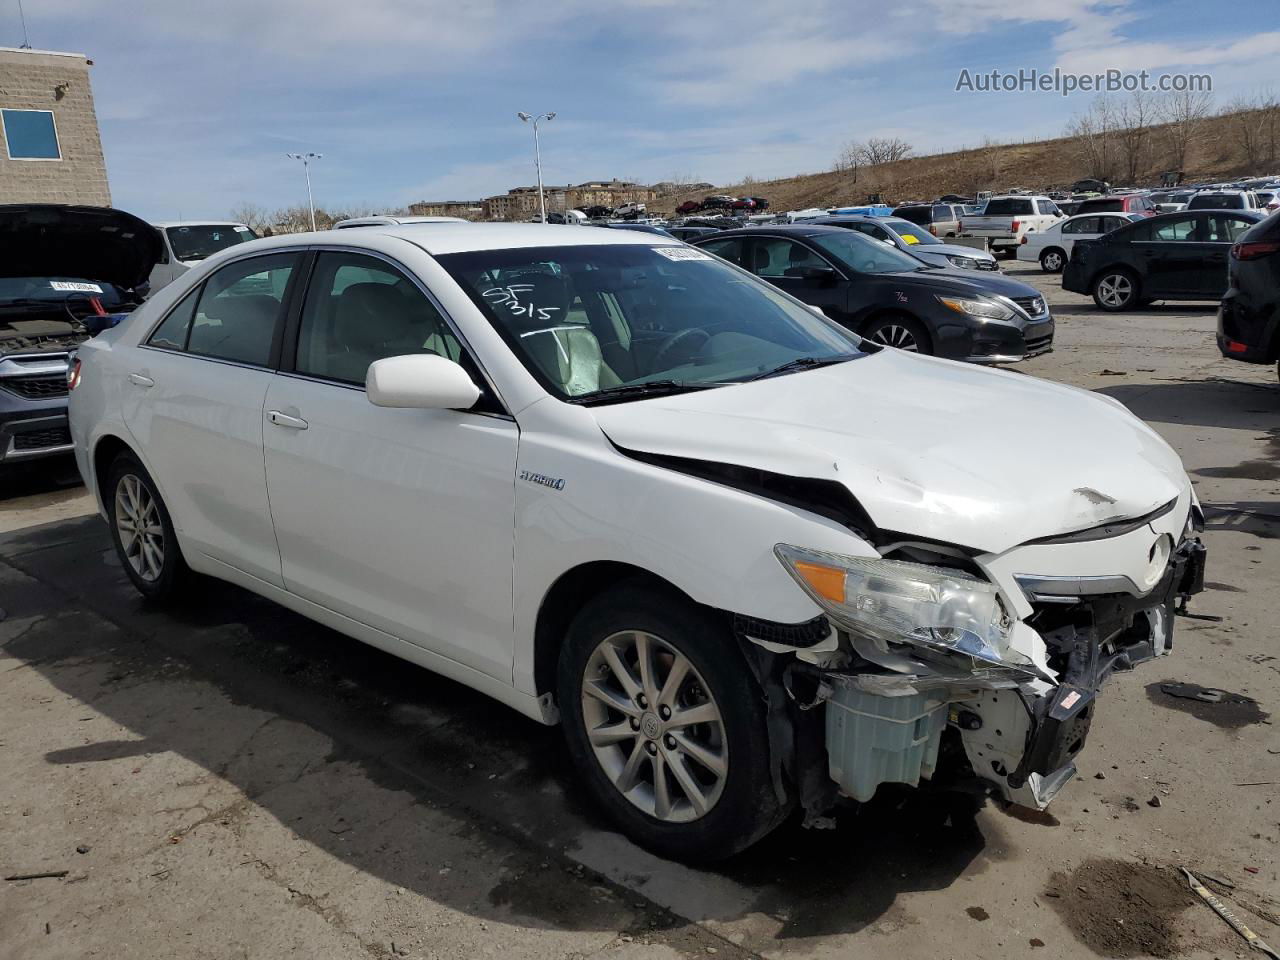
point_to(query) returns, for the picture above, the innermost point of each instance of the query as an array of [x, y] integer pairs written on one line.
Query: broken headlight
[[891, 601]]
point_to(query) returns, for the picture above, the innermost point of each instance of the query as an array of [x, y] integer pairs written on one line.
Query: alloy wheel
[[1115, 290], [139, 528], [892, 335], [654, 727], [1052, 261]]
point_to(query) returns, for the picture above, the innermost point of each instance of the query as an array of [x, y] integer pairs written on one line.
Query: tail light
[[1013, 227], [959, 226], [1024, 239], [933, 229], [73, 374], [1255, 249]]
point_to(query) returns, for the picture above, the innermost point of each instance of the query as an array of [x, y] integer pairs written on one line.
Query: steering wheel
[[680, 338]]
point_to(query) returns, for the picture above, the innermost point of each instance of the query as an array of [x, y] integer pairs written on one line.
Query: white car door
[[194, 403], [400, 519]]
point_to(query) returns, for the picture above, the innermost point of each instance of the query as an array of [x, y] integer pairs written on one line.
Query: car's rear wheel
[[900, 332], [667, 725], [1115, 290], [142, 530], [1052, 260]]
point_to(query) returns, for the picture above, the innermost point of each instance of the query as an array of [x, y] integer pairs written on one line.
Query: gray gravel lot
[[229, 780]]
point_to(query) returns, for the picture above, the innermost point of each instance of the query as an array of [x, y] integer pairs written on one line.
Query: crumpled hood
[[953, 250], [92, 243], [947, 451]]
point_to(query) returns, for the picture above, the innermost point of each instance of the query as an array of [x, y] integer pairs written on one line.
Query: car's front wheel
[[667, 724], [1115, 290], [904, 333], [1052, 260], [142, 530]]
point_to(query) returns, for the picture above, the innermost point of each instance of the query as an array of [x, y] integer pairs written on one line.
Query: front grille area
[[36, 388], [1034, 306], [1039, 344], [42, 439], [988, 265]]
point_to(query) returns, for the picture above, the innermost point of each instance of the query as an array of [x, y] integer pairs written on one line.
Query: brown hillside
[[1035, 165]]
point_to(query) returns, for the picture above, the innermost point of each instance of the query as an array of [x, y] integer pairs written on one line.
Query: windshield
[[591, 319], [864, 255], [906, 229], [197, 241]]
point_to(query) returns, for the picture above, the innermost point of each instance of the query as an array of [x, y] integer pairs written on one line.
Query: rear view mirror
[[420, 381]]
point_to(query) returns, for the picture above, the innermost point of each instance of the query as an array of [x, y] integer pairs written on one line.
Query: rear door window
[[241, 307], [730, 248], [1224, 228]]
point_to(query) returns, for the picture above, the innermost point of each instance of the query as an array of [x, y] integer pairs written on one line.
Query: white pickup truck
[[1005, 220]]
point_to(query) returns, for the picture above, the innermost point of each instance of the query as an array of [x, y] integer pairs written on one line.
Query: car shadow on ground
[[407, 729], [1208, 402], [45, 476]]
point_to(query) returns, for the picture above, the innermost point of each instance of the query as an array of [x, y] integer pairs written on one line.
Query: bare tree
[[251, 215], [1095, 133], [850, 158], [1254, 125], [1184, 114], [1134, 116], [886, 150]]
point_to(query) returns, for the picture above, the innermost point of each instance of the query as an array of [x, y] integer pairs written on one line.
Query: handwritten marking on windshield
[[509, 297]]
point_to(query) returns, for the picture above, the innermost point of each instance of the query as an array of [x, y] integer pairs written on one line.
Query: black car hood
[[961, 283], [96, 243]]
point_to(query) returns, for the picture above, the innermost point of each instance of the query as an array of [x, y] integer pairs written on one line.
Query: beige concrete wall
[[31, 80]]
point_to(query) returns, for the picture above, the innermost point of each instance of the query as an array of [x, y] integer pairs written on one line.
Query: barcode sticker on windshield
[[683, 253], [76, 286]]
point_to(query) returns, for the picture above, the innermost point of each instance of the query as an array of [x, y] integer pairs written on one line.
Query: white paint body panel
[[1037, 243], [413, 530]]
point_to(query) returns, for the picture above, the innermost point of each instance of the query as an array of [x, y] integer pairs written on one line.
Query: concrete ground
[[229, 780]]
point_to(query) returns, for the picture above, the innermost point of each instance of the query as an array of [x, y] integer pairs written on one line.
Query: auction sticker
[[75, 286], [682, 253]]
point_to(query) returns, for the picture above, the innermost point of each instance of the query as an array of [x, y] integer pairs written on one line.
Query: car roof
[[196, 223], [446, 238], [389, 219], [785, 229]]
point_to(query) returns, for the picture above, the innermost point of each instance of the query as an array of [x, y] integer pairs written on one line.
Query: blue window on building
[[30, 134]]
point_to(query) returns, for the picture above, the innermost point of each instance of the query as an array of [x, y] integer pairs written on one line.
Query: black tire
[[173, 574], [747, 806], [888, 329], [1116, 289], [1052, 260]]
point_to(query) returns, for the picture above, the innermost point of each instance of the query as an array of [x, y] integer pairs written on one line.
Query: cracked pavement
[[247, 784]]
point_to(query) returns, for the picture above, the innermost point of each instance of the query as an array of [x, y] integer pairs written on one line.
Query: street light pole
[[537, 156], [306, 159]]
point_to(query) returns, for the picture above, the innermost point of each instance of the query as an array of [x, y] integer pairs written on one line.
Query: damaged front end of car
[[931, 671]]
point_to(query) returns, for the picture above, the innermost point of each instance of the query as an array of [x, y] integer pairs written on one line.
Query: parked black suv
[[1249, 318], [1173, 256], [892, 298], [65, 271]]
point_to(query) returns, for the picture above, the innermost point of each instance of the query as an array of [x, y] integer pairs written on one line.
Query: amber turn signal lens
[[826, 582]]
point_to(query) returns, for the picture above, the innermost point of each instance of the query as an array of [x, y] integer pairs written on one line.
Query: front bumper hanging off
[[1020, 737]]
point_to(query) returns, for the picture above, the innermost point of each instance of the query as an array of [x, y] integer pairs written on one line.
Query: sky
[[417, 99]]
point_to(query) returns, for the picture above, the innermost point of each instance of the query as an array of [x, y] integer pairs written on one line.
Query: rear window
[[1101, 206], [1009, 207], [917, 215], [1216, 201]]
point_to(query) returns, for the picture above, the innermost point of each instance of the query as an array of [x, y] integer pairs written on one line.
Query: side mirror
[[420, 381], [822, 274]]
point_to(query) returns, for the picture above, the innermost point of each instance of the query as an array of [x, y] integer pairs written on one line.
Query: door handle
[[284, 420], [139, 380]]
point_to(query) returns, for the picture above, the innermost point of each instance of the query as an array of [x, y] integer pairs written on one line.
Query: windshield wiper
[[649, 388], [801, 363]]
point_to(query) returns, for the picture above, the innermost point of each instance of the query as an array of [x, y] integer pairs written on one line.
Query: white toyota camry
[[750, 563]]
